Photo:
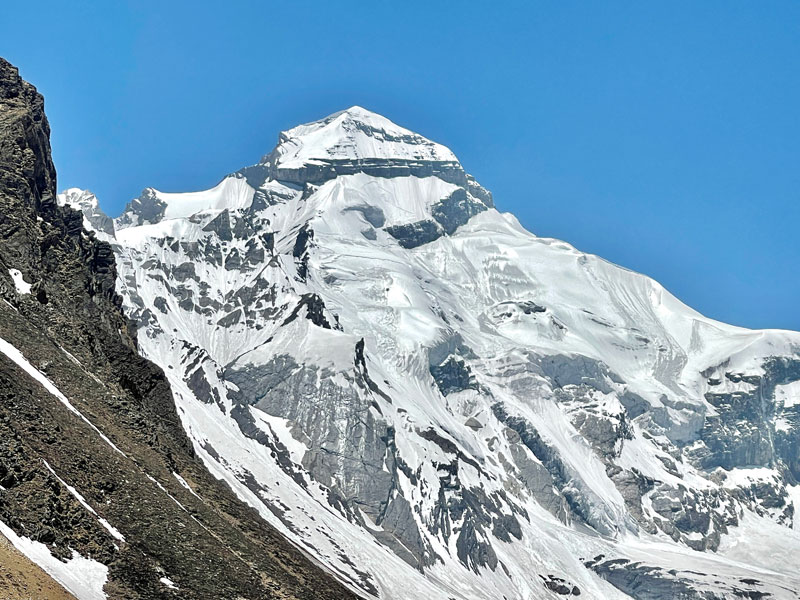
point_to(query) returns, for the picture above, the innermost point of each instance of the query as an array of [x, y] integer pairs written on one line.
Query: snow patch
[[788, 395], [82, 577], [745, 477], [168, 582], [23, 287], [183, 483]]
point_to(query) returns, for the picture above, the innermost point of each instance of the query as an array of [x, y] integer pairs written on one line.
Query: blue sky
[[662, 136]]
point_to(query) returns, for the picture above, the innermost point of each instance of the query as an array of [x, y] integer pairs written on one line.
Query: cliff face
[[98, 482]]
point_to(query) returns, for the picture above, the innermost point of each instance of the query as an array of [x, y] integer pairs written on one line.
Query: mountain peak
[[354, 134], [86, 202], [359, 113]]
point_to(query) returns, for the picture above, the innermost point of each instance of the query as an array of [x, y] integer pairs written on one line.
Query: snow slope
[[435, 402]]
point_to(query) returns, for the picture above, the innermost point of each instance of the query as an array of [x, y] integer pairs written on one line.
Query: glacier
[[432, 401]]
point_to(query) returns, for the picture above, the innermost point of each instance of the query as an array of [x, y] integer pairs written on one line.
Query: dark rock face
[[300, 251], [743, 433], [147, 208], [325, 170], [70, 327], [560, 586], [297, 393], [455, 210], [315, 311], [221, 225], [416, 234], [87, 203], [448, 215], [453, 375]]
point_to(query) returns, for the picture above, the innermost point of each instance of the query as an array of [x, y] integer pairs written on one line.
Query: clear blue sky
[[662, 136]]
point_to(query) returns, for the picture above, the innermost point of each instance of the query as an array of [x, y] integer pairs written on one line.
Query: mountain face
[[101, 492], [434, 402]]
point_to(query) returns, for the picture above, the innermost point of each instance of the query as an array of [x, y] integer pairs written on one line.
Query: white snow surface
[[22, 286], [231, 193], [788, 395], [355, 134], [168, 582], [83, 577], [745, 477], [212, 307]]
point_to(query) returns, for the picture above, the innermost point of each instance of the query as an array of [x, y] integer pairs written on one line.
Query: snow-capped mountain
[[434, 402]]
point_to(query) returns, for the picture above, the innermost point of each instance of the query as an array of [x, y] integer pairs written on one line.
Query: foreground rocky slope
[[436, 403], [99, 484]]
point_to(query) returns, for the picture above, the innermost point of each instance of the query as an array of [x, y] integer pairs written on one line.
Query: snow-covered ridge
[[355, 134], [153, 206], [437, 403]]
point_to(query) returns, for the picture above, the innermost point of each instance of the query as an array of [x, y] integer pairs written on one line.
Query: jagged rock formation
[[99, 484], [94, 219], [437, 403]]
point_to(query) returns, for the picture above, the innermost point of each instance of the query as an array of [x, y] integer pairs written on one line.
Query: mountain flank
[[98, 480]]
